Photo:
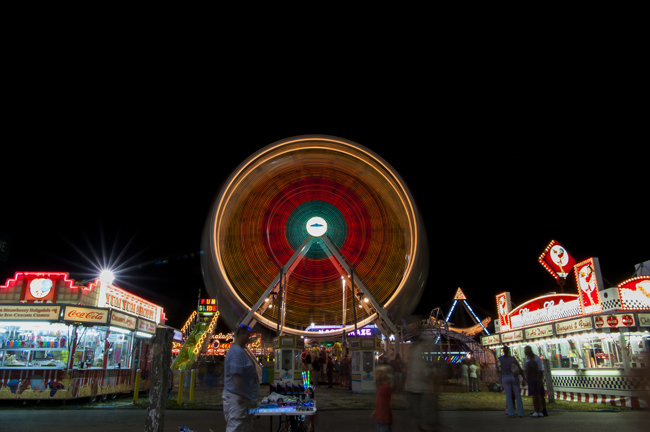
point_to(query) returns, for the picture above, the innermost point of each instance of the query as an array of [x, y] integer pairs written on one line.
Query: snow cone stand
[[64, 341], [597, 341]]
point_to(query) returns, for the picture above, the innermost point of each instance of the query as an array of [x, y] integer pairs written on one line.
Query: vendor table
[[293, 417]]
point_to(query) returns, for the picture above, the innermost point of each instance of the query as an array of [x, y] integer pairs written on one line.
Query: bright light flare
[[107, 276]]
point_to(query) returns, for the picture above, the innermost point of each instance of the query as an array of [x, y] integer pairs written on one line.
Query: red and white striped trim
[[622, 401]]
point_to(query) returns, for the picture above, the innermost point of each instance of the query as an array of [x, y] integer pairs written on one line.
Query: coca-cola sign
[[85, 315]]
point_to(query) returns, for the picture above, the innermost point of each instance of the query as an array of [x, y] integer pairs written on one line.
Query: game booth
[[596, 342], [63, 341]]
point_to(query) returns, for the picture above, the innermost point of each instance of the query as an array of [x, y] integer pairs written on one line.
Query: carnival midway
[[316, 272]]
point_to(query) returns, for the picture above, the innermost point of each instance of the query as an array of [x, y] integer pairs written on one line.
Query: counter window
[[90, 348], [119, 343], [34, 344]]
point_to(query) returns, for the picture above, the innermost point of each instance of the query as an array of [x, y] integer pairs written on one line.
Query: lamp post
[[344, 310]]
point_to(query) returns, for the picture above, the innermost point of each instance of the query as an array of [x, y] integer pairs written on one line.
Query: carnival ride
[[197, 337], [453, 344], [315, 230]]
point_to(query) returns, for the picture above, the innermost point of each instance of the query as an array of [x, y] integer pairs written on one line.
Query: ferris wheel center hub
[[316, 226]]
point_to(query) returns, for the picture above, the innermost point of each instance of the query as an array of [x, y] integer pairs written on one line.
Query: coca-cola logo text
[[91, 315]]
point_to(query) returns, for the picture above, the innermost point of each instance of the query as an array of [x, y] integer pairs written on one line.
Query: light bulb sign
[[590, 282], [557, 260], [207, 306]]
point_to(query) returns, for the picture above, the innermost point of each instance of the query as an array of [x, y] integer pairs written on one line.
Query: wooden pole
[[159, 388], [549, 381]]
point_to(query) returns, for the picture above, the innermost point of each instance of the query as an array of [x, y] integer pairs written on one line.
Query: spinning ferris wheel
[[314, 230]]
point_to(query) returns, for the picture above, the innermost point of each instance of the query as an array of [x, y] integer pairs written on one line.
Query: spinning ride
[[305, 219]]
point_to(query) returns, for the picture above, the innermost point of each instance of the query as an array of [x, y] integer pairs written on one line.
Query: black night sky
[[494, 190]]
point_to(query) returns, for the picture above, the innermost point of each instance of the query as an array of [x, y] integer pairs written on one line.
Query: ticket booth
[[288, 358], [363, 364]]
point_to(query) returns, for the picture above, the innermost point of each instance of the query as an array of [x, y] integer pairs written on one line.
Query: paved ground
[[105, 420]]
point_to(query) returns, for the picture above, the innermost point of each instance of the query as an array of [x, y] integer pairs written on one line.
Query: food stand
[[597, 342], [63, 341]]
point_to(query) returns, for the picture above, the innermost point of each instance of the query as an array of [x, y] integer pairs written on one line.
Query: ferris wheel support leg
[[291, 264], [381, 312]]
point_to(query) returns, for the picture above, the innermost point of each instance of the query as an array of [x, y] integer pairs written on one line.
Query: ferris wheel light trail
[[344, 197]]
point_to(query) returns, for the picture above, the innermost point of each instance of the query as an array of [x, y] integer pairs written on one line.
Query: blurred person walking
[[382, 414], [330, 372], [464, 374], [535, 379], [397, 369], [509, 374], [421, 387], [473, 376], [242, 386]]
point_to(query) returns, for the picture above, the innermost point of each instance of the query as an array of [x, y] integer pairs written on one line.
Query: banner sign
[[545, 309], [589, 281], [614, 321], [146, 326], [490, 340], [557, 260], [539, 332], [31, 312], [635, 293], [573, 326], [85, 315], [114, 297], [513, 336], [123, 320]]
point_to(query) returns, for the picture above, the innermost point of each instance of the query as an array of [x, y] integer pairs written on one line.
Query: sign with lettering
[[539, 332], [207, 305], [545, 309], [29, 312], [614, 321], [512, 336], [146, 326], [490, 340], [114, 297], [123, 320], [573, 326], [635, 293], [85, 315], [590, 282]]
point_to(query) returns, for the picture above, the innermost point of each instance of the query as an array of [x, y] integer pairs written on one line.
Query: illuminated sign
[[589, 281], [503, 308], [614, 321], [512, 336], [557, 260], [146, 326], [573, 326], [31, 312], [490, 340], [545, 309], [539, 332], [635, 293], [123, 320], [85, 315], [207, 305], [114, 297]]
